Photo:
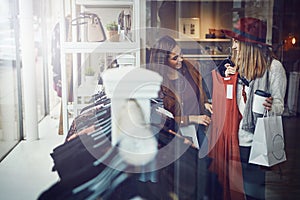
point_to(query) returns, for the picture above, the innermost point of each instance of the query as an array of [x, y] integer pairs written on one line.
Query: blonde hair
[[252, 60]]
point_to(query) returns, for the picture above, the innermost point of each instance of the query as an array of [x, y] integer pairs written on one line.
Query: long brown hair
[[253, 60], [162, 49], [159, 55]]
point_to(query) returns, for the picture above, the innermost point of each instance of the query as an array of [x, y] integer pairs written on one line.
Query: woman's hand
[[200, 119], [268, 103], [229, 69], [208, 106]]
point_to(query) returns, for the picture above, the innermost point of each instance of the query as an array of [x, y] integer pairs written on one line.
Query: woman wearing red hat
[[258, 69]]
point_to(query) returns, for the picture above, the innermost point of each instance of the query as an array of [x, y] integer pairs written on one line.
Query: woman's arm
[[278, 83], [199, 119], [193, 119]]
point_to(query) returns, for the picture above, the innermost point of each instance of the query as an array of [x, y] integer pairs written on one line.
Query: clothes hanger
[[120, 179], [97, 116], [105, 131], [97, 100], [103, 178], [107, 139], [221, 68], [102, 181], [102, 122]]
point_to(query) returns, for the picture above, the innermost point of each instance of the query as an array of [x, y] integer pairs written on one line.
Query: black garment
[[180, 172], [202, 139], [55, 56], [188, 176], [55, 59], [78, 153], [93, 117], [185, 177], [76, 166]]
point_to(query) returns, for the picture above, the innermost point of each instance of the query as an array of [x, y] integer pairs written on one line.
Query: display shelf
[[81, 50], [105, 3], [203, 40], [205, 57], [99, 47], [205, 49]]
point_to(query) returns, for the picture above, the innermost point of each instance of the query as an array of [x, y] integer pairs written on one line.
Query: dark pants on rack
[[253, 176]]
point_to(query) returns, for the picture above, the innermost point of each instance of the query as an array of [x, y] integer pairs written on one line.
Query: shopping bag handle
[[266, 113], [270, 113]]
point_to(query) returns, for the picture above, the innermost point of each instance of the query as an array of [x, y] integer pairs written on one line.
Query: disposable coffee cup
[[259, 98]]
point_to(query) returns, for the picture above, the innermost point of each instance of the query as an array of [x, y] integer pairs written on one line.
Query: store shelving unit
[[78, 47], [205, 49]]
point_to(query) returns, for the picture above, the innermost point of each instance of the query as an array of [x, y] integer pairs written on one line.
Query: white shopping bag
[[268, 142]]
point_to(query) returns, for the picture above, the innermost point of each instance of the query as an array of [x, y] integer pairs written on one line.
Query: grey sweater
[[274, 81]]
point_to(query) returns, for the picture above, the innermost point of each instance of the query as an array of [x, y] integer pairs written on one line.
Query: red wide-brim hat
[[250, 30]]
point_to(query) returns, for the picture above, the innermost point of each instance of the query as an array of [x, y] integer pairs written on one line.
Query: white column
[[28, 69]]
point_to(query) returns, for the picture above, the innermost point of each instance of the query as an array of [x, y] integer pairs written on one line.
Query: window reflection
[[9, 113]]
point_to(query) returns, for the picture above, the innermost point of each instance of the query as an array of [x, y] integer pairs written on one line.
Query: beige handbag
[[93, 26]]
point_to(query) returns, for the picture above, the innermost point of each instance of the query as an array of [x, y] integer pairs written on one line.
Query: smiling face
[[175, 58]]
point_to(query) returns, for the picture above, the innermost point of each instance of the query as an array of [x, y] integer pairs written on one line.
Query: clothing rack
[[83, 161]]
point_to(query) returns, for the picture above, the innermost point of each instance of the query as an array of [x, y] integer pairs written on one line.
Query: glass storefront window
[[196, 26], [9, 77]]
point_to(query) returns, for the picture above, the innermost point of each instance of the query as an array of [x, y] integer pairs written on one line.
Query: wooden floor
[[284, 182]]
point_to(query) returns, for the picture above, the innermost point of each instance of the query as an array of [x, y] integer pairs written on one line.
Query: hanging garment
[[124, 20], [293, 93], [56, 61], [223, 139], [81, 172], [89, 121]]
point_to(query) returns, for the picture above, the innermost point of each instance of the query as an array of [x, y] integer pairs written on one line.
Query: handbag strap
[[87, 14], [77, 21], [81, 19]]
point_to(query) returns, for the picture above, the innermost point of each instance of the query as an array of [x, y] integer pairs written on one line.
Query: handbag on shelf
[[268, 142], [93, 26]]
